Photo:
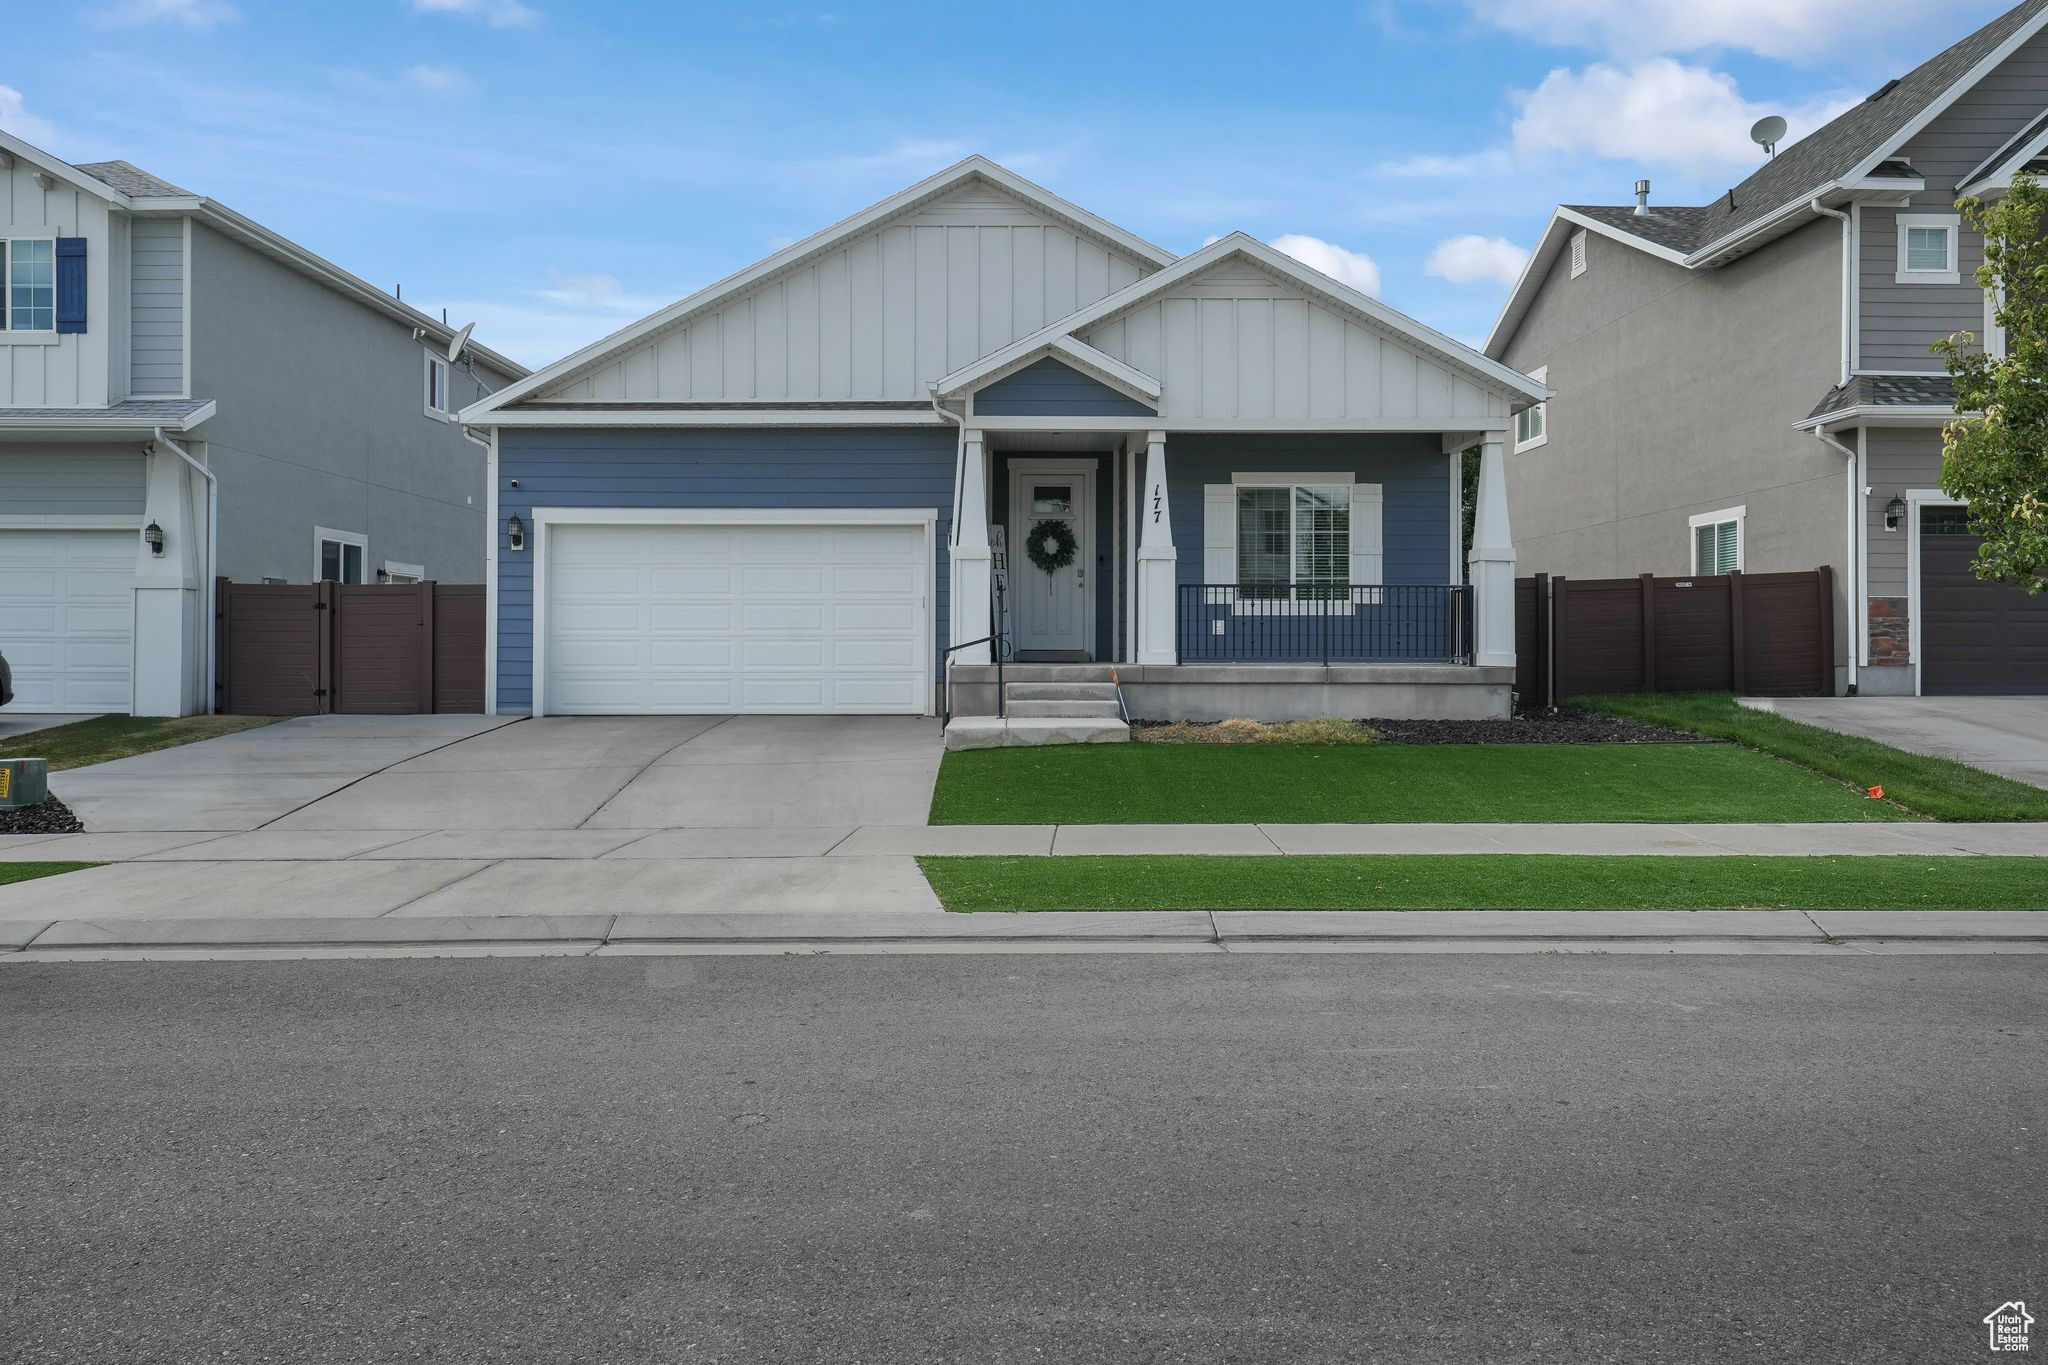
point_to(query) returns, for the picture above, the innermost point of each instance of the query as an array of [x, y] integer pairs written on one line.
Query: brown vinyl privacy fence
[[1763, 634], [305, 649]]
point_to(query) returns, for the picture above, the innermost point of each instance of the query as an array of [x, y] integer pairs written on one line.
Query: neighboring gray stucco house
[[792, 491], [151, 338], [1748, 383]]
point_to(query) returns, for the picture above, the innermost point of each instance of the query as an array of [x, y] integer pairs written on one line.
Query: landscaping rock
[[50, 817], [1541, 727]]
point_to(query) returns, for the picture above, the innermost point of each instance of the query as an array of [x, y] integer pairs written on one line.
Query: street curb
[[1138, 928]]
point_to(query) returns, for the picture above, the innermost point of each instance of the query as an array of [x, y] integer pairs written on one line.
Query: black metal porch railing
[[1260, 623]]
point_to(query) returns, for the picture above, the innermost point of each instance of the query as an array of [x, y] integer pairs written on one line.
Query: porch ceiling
[[1052, 442]]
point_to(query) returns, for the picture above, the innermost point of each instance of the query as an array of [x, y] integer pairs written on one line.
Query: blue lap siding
[[1050, 389], [1415, 479], [909, 467]]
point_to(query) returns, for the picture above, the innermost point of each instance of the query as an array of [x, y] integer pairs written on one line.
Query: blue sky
[[555, 170]]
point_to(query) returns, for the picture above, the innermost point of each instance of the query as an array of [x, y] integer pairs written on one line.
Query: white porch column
[[1492, 562], [970, 553], [169, 635], [1154, 595]]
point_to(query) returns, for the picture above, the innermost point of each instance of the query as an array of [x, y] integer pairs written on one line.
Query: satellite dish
[[461, 339], [1768, 133]]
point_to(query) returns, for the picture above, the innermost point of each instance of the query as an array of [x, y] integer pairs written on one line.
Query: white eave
[[487, 411], [1881, 414]]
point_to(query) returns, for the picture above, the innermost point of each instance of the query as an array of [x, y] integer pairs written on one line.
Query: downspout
[[959, 461], [212, 559], [1848, 277], [1853, 590]]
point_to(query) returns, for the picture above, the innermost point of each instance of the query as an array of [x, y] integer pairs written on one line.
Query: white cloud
[[600, 291], [20, 122], [1789, 30], [496, 13], [1354, 268], [1471, 258], [1492, 161], [190, 13], [436, 80], [1656, 112]]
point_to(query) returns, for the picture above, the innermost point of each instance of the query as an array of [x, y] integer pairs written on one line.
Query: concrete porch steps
[[1063, 712]]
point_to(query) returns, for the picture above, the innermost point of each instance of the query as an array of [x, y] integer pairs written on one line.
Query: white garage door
[[717, 618], [67, 618]]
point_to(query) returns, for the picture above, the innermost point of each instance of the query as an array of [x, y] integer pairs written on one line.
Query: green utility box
[[23, 782]]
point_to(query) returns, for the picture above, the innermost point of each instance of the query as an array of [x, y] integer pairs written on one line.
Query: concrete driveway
[[2003, 735], [438, 815]]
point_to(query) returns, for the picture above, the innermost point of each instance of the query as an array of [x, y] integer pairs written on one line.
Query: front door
[[1052, 610]]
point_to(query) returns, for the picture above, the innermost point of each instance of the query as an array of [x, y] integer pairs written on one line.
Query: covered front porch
[[1232, 489]]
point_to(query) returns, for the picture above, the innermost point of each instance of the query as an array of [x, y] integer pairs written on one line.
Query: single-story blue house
[[975, 421]]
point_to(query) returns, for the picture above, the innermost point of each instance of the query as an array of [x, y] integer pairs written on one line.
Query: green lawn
[[1938, 787], [1488, 882], [28, 872], [104, 738], [1122, 784]]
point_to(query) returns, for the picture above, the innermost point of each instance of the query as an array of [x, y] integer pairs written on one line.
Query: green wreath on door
[[1051, 545]]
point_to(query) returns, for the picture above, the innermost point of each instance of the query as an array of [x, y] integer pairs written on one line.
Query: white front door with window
[[1052, 614]]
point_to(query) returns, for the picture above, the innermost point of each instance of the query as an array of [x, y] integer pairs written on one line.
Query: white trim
[[323, 534], [818, 243], [1541, 374], [1345, 299], [393, 572], [1940, 104], [544, 519], [919, 416], [491, 575], [184, 307], [1862, 493], [1993, 336], [1882, 414], [1852, 307], [436, 364], [58, 521], [1083, 471], [1738, 515], [1076, 354], [1917, 498], [1289, 480], [1952, 225]]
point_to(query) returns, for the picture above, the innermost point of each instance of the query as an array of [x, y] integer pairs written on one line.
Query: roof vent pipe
[[1642, 198]]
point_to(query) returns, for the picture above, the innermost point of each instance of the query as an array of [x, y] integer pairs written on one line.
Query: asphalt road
[[1046, 1159]]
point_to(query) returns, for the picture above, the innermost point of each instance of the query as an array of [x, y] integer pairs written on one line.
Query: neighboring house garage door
[[737, 618], [1976, 638], [67, 618]]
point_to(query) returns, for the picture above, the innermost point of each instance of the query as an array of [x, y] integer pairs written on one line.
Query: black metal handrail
[[999, 643], [1286, 623]]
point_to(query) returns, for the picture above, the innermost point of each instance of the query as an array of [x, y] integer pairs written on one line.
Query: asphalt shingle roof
[[131, 179], [1826, 154], [138, 412], [1888, 391]]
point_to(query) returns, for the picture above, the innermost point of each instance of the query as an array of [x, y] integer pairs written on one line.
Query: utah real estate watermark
[[2007, 1325]]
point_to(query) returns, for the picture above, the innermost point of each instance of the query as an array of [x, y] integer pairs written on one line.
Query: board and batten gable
[[1234, 342], [1899, 322], [705, 467], [65, 370], [156, 306], [878, 317]]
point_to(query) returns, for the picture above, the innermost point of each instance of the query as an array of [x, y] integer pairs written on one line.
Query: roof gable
[[873, 308], [1239, 331]]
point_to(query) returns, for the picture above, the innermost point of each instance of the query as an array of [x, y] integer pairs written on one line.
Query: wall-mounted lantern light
[[1894, 513], [515, 531], [153, 536]]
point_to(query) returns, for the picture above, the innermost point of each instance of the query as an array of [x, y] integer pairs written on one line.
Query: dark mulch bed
[[51, 817], [1541, 727]]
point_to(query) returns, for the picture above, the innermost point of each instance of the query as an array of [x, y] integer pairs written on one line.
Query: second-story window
[[28, 285], [1929, 248], [437, 387]]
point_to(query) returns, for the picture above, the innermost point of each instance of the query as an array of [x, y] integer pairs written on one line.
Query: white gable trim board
[[738, 610]]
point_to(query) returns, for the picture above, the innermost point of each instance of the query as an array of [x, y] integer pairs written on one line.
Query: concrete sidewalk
[[849, 842], [1745, 932]]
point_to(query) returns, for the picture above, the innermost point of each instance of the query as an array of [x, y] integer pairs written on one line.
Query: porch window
[[1294, 542]]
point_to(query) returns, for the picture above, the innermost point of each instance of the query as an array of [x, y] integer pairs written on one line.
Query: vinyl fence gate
[[308, 649]]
